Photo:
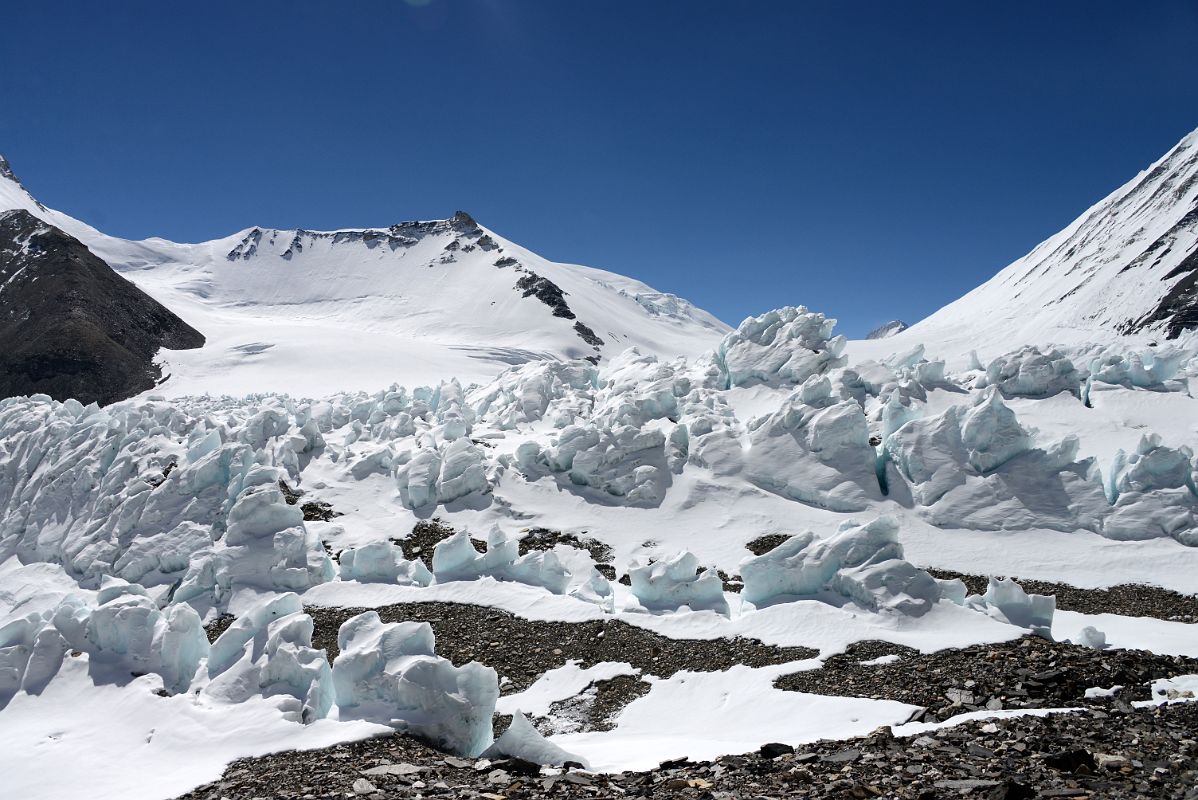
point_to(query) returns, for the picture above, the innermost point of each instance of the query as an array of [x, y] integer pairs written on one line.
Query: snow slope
[[1125, 266], [303, 312]]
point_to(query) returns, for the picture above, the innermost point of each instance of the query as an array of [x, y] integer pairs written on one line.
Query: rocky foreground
[[1111, 744], [1112, 752]]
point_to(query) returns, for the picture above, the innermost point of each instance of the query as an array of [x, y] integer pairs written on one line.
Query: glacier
[[187, 497], [166, 513]]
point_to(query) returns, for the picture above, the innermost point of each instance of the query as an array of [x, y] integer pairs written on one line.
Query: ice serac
[[455, 559], [268, 651], [1029, 372], [382, 562], [1128, 265], [389, 672], [978, 467], [70, 326], [678, 582], [124, 635], [862, 563], [522, 740], [783, 347], [266, 545], [815, 449], [1153, 493], [1005, 600]]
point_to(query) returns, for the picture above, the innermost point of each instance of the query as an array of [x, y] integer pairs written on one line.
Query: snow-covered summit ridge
[[13, 194], [1128, 265], [401, 234]]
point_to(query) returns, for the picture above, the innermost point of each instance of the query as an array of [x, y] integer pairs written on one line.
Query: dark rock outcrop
[[545, 290], [587, 335], [72, 327], [1178, 309]]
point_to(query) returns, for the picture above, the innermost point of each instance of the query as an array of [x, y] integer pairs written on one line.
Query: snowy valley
[[558, 528]]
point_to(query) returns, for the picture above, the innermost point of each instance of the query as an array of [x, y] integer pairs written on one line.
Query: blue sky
[[870, 160]]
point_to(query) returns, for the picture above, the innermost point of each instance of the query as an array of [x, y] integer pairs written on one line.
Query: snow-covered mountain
[[887, 330], [1127, 266], [301, 311]]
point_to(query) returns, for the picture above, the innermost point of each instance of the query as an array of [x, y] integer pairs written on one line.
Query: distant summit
[[6, 174], [303, 311], [887, 330]]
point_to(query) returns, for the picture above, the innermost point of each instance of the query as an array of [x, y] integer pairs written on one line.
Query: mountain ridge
[[418, 300], [1128, 265], [358, 307]]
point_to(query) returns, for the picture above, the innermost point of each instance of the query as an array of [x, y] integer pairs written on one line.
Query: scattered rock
[[1024, 673], [218, 626], [1072, 761], [587, 335], [318, 511], [1011, 790], [533, 285], [595, 708], [775, 749], [763, 544]]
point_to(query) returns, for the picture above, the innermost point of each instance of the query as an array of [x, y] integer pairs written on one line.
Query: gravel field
[[1097, 753], [521, 650], [1026, 673], [1106, 748]]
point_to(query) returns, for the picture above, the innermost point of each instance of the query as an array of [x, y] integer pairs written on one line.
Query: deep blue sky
[[871, 160]]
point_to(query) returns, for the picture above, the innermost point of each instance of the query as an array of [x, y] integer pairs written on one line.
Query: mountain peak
[[462, 220], [887, 330], [22, 196]]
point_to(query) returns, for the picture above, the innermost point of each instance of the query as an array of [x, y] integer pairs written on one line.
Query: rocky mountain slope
[[70, 327]]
